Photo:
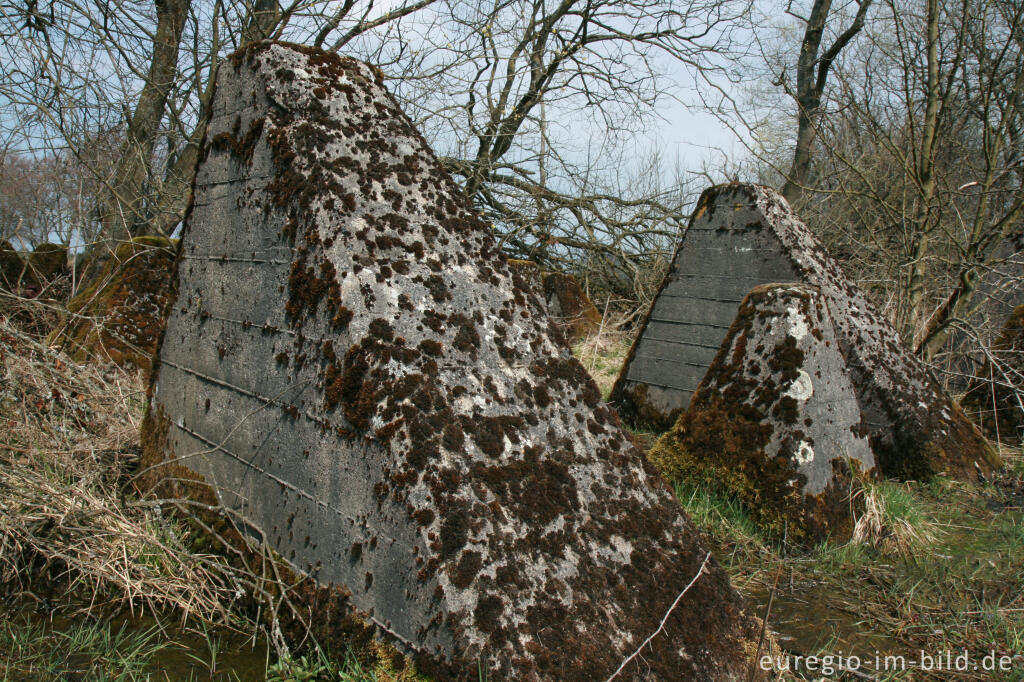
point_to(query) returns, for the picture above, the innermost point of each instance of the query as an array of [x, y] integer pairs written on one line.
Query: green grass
[[320, 666], [719, 514], [957, 584], [32, 650], [939, 566], [87, 651]]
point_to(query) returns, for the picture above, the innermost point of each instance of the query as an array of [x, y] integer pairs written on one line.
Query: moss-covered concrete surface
[[353, 368]]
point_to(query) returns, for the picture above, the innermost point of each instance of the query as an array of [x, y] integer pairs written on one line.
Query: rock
[[11, 266], [775, 420], [744, 235], [994, 396], [351, 367], [48, 262], [570, 306], [119, 316]]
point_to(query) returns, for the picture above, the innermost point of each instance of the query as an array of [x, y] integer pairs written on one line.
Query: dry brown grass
[[76, 537], [893, 521], [69, 527], [604, 351]]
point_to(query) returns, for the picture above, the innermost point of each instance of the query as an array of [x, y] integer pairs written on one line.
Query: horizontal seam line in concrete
[[681, 343], [701, 298], [687, 323], [652, 383], [231, 259], [264, 472]]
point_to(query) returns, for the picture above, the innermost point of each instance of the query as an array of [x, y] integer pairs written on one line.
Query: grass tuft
[[894, 520], [68, 522]]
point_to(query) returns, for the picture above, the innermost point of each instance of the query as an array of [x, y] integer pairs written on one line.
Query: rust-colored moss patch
[[570, 305], [118, 317]]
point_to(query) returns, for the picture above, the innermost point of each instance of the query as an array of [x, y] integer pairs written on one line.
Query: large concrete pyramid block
[[742, 236], [776, 420], [350, 364]]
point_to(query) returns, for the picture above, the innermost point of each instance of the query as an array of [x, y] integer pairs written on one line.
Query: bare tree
[[534, 106], [812, 71], [922, 159], [143, 74], [502, 90]]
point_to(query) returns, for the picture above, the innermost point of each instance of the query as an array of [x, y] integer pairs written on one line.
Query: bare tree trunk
[[122, 208], [808, 100], [811, 77], [263, 20], [925, 172]]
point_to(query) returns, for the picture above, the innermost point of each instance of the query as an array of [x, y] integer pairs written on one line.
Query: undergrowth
[[933, 567], [98, 583]]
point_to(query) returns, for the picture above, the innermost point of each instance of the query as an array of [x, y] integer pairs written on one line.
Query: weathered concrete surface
[[351, 365], [995, 397], [776, 420], [744, 235], [119, 316], [526, 276]]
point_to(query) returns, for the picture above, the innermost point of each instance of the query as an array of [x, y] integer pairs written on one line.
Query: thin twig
[[664, 620]]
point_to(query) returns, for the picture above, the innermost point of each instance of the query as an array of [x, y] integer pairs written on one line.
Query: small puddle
[[184, 654], [193, 656], [807, 621]]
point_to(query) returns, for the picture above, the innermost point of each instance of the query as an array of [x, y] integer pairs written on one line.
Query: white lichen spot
[[797, 326], [396, 369], [802, 387], [804, 453], [622, 546]]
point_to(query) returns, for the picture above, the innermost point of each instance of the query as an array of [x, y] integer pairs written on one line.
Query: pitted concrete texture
[[776, 419], [350, 364], [565, 301], [742, 236]]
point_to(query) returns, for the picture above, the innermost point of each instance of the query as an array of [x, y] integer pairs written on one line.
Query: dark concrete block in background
[[745, 235]]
